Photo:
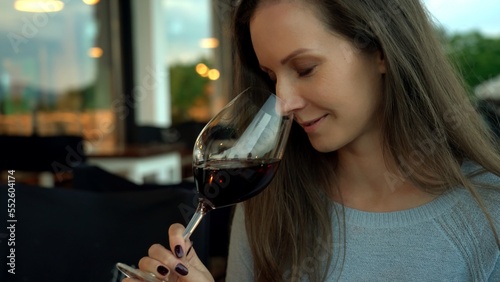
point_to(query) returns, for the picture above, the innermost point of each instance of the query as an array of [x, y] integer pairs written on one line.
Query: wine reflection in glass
[[235, 156]]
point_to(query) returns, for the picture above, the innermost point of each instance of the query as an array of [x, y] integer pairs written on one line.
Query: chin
[[323, 147]]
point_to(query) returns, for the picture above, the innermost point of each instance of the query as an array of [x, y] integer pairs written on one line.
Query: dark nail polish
[[179, 252], [162, 270], [181, 269]]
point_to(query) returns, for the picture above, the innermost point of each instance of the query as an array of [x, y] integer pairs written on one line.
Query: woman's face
[[333, 89]]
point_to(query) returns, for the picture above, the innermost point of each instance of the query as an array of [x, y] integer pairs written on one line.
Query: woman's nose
[[292, 101]]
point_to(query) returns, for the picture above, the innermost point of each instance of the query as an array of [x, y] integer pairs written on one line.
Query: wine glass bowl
[[237, 153], [235, 156]]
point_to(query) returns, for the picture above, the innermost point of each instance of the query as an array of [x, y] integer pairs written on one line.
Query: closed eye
[[305, 72]]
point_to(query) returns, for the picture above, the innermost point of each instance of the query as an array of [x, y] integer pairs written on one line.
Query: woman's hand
[[181, 264]]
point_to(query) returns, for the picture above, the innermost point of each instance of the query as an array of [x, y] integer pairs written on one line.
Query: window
[[194, 43], [57, 72]]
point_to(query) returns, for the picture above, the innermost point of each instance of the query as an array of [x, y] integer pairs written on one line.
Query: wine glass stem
[[200, 212]]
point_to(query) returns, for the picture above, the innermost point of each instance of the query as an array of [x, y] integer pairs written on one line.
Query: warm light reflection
[[209, 43], [90, 2], [202, 69], [38, 6], [95, 52], [213, 74]]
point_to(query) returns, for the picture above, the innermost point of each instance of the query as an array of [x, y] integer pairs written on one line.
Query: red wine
[[227, 182]]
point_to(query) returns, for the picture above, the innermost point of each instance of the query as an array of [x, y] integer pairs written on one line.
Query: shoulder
[[468, 227], [487, 188], [486, 183], [489, 200], [478, 175]]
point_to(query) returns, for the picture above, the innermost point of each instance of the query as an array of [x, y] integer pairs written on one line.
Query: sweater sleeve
[[492, 202], [495, 275], [240, 261]]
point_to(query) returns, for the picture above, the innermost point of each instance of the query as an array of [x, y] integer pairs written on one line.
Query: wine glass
[[235, 156]]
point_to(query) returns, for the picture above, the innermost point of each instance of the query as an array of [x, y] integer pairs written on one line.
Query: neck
[[369, 181]]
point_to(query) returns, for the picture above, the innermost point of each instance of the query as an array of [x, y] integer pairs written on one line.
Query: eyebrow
[[293, 54]]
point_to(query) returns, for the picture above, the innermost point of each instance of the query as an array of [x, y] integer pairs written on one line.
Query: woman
[[389, 173]]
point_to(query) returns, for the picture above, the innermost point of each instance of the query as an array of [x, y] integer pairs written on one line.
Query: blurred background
[[104, 69], [120, 74], [109, 95]]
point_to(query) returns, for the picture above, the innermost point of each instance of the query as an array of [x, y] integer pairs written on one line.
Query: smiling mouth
[[309, 123]]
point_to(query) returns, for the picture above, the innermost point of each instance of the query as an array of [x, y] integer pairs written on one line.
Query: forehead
[[287, 20], [281, 11], [280, 28], [290, 11], [283, 3], [279, 20]]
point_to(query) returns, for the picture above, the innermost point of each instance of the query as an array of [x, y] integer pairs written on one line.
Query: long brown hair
[[429, 128]]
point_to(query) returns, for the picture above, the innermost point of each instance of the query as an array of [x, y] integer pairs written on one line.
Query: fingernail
[[178, 251], [162, 270], [181, 269]]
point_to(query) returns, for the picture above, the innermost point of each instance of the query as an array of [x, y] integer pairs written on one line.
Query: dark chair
[[66, 234], [42, 160], [94, 178], [42, 153]]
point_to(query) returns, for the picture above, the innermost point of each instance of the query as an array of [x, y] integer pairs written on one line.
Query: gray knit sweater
[[448, 239]]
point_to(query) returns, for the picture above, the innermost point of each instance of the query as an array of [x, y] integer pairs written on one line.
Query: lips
[[312, 122]]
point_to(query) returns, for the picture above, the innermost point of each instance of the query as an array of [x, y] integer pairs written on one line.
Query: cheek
[[363, 89], [336, 80], [326, 88], [345, 88], [352, 103]]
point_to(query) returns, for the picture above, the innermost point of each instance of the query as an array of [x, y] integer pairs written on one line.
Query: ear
[[380, 60]]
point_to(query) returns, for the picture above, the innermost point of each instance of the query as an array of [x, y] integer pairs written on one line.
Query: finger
[[190, 268], [165, 257], [161, 254], [192, 260], [154, 266], [183, 249], [189, 252], [180, 248], [177, 243]]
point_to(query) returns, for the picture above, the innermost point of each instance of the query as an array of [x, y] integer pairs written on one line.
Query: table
[[136, 162]]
